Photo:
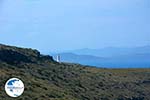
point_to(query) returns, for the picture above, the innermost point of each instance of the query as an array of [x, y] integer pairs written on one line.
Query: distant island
[[111, 57]]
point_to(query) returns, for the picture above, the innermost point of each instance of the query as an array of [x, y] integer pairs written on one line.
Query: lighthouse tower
[[58, 58]]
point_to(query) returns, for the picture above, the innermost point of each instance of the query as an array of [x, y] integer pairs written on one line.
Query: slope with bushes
[[46, 79]]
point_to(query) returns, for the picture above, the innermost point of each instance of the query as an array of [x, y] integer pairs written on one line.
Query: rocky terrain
[[46, 79]]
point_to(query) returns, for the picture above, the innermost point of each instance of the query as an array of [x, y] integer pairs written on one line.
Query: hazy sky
[[50, 25]]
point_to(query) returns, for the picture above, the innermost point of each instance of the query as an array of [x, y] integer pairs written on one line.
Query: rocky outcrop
[[15, 55]]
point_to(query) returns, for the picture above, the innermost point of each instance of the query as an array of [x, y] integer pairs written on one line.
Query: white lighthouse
[[58, 58]]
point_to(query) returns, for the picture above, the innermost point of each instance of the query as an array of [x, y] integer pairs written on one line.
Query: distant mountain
[[110, 57], [112, 51], [81, 59]]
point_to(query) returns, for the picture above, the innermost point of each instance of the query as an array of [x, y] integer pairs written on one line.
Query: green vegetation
[[46, 79]]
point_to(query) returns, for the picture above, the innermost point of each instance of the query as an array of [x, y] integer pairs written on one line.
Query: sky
[[57, 25]]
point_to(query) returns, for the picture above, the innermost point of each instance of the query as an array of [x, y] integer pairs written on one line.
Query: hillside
[[46, 79]]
